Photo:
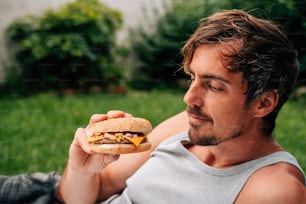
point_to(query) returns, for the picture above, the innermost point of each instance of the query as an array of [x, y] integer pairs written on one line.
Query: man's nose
[[193, 95]]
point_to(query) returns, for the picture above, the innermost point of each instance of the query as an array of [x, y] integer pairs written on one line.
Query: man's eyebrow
[[210, 76]]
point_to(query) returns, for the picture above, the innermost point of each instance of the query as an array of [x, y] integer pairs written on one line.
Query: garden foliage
[[69, 48], [159, 51], [74, 47]]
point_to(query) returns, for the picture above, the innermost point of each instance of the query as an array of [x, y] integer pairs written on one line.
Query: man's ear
[[266, 103]]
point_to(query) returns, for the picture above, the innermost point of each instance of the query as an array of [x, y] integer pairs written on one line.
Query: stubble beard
[[203, 139], [198, 137]]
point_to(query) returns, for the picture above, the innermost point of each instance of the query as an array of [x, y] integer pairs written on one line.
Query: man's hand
[[80, 156], [82, 172]]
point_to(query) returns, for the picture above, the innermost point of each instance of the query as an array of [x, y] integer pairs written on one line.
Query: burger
[[120, 135]]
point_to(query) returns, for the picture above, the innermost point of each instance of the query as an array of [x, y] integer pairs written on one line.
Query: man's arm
[[114, 176], [280, 183], [87, 179]]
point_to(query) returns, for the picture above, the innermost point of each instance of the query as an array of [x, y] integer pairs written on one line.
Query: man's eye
[[190, 80], [214, 88]]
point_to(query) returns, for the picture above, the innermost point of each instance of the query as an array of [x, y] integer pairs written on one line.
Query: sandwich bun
[[139, 125], [119, 148]]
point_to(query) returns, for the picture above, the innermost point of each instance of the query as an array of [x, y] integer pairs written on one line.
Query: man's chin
[[203, 140]]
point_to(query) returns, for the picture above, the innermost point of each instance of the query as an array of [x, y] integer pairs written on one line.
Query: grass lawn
[[35, 132]]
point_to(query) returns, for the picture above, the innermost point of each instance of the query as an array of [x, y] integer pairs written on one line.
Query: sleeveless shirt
[[173, 175]]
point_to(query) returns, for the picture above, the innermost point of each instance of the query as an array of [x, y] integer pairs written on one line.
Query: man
[[242, 70]]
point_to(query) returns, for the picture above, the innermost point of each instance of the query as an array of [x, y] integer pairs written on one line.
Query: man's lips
[[197, 119], [196, 116]]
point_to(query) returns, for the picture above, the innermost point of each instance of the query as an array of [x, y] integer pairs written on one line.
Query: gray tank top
[[173, 175]]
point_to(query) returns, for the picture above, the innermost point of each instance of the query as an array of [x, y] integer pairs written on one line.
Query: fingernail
[[88, 149], [88, 133]]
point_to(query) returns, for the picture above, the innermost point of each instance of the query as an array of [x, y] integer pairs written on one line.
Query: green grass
[[35, 132], [291, 129]]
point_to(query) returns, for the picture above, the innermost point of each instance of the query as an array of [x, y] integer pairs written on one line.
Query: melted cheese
[[135, 140], [93, 139]]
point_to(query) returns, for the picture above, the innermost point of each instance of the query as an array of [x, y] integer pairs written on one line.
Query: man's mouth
[[195, 114]]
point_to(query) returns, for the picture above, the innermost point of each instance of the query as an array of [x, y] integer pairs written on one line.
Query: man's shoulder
[[277, 183]]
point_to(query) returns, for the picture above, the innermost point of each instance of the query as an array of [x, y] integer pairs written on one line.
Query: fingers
[[110, 114], [128, 115], [80, 154], [97, 118], [82, 158], [79, 150], [115, 114], [80, 141]]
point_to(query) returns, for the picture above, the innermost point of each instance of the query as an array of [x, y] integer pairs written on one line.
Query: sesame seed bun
[[139, 125]]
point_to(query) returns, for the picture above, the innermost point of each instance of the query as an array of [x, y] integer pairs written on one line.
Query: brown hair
[[264, 55]]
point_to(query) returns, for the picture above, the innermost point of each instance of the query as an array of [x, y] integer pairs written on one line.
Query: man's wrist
[[74, 179]]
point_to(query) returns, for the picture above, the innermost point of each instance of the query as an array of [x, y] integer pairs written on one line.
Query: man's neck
[[235, 151]]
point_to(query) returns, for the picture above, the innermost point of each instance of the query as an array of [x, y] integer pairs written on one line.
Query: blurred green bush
[[69, 48], [159, 51], [74, 46]]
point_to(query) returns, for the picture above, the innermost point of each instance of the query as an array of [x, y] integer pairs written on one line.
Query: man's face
[[216, 99]]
